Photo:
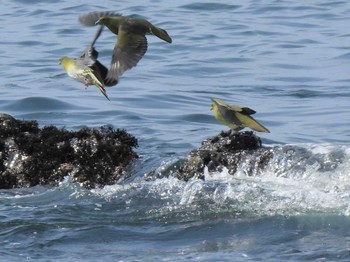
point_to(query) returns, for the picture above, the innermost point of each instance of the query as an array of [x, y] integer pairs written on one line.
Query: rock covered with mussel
[[227, 150], [30, 155]]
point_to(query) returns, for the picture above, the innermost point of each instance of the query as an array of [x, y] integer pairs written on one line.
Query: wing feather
[[128, 51]]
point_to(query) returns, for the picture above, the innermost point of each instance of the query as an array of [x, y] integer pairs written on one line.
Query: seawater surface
[[288, 60]]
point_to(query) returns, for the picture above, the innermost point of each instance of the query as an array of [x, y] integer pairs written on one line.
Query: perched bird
[[235, 117], [132, 42]]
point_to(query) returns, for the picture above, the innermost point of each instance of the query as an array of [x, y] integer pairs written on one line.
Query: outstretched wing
[[128, 51], [89, 56]]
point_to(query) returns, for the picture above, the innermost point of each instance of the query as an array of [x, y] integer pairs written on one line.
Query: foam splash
[[299, 179]]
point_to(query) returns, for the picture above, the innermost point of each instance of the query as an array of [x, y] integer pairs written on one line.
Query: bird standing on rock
[[131, 44], [235, 117]]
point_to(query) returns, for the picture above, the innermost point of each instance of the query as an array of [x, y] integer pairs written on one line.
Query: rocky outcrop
[[31, 156], [226, 150]]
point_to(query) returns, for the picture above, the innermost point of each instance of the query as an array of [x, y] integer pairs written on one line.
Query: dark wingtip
[[110, 81], [92, 52], [103, 91]]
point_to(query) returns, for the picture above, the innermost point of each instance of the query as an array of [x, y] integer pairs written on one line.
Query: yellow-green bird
[[86, 68], [235, 117], [84, 74], [132, 42], [89, 58]]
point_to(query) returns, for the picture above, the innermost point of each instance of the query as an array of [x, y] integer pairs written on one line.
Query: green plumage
[[83, 73], [86, 68], [235, 117], [132, 42]]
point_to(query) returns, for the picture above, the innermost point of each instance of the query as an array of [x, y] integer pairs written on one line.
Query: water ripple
[[288, 60], [40, 104]]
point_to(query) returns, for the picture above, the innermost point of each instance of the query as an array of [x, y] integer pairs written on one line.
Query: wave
[[299, 179]]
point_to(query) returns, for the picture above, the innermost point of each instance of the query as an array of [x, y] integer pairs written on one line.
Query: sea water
[[288, 60]]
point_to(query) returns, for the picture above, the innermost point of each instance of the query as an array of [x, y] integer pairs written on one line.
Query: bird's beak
[[97, 22]]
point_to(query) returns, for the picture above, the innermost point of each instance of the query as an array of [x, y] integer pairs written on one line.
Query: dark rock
[[228, 149], [32, 156]]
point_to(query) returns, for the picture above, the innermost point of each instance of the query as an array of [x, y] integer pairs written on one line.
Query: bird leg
[[86, 82], [234, 132]]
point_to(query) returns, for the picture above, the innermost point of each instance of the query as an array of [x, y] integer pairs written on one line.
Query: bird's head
[[213, 104], [112, 22], [63, 59], [101, 20], [66, 62]]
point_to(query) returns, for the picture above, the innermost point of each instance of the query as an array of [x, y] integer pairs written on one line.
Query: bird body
[[83, 73], [87, 69], [132, 42], [88, 58], [235, 117], [133, 26]]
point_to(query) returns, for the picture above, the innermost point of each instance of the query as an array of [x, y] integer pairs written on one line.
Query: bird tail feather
[[99, 83], [161, 33]]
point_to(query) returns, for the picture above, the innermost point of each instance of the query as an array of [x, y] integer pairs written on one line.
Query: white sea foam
[[298, 179]]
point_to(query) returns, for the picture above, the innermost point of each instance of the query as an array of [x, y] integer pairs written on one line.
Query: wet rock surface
[[226, 150], [31, 156]]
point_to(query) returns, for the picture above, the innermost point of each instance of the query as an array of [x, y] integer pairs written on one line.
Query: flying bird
[[84, 74], [235, 117], [132, 42], [87, 69], [89, 58]]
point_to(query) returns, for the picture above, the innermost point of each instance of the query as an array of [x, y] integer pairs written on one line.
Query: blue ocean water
[[288, 60]]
